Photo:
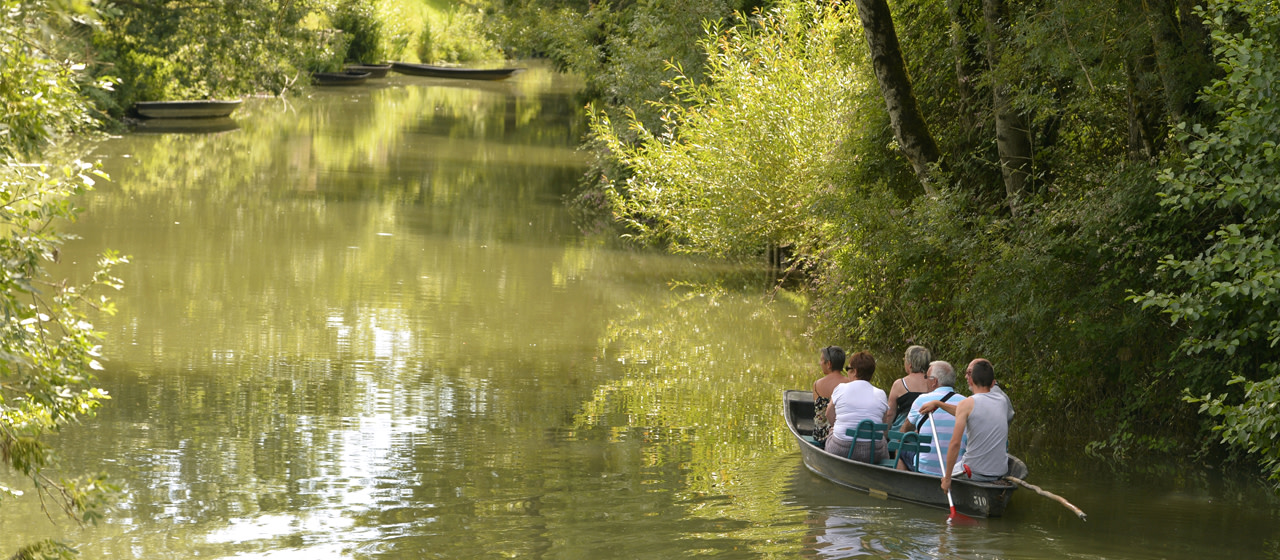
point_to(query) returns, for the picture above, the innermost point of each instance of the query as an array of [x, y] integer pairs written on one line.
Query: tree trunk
[[1013, 134], [1145, 114], [1182, 54], [908, 123], [964, 46]]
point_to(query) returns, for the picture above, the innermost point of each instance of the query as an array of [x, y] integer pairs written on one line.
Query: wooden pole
[[1047, 494]]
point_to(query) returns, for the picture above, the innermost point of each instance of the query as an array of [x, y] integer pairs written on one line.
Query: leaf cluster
[[740, 161], [1224, 289], [40, 87], [48, 346]]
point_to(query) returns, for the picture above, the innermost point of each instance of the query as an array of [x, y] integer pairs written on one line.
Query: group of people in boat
[[969, 434]]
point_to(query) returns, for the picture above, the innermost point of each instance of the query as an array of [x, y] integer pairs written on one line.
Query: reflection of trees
[[680, 388], [284, 147], [379, 321], [707, 364]]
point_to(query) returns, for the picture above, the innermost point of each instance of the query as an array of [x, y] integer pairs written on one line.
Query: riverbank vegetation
[[184, 49], [1083, 193], [48, 347]]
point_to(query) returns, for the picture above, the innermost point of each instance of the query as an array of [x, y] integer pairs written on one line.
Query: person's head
[[862, 365], [981, 374], [917, 359], [942, 373], [833, 355]]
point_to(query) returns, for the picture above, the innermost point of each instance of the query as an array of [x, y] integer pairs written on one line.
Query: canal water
[[365, 324]]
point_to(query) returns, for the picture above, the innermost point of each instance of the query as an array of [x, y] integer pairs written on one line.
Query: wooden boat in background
[[348, 78], [975, 499], [195, 109], [374, 70], [451, 72]]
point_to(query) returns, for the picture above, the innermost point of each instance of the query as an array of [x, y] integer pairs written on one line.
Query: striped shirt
[[931, 462]]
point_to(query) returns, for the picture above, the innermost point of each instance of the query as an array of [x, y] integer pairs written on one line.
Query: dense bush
[[1224, 289], [359, 21], [739, 163]]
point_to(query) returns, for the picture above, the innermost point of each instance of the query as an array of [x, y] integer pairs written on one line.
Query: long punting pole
[[1047, 494]]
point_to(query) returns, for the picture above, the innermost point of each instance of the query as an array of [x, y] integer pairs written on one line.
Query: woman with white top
[[853, 402]]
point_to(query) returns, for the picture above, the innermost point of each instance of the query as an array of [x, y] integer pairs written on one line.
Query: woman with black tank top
[[905, 390]]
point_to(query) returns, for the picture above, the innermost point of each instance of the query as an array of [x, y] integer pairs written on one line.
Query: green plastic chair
[[895, 443], [912, 441], [868, 430]]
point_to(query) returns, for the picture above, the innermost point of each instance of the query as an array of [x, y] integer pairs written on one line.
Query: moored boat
[[193, 109], [347, 78], [451, 72], [975, 499], [374, 70]]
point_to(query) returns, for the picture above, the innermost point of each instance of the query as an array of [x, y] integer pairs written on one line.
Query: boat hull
[[348, 78], [196, 109], [374, 70], [456, 73], [975, 499]]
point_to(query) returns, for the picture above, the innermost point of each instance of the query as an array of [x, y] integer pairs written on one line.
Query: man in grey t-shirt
[[985, 416]]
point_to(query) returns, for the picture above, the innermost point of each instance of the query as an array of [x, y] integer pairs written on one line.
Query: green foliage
[[48, 347], [358, 20], [45, 550], [191, 49], [625, 51], [1227, 286], [739, 164], [40, 89], [457, 35], [1252, 424]]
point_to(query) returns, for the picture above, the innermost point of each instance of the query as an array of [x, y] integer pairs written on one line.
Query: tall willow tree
[[48, 347]]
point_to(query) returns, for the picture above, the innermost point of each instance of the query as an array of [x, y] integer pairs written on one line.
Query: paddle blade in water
[[957, 518]]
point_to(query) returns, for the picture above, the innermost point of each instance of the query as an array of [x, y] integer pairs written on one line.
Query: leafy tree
[[40, 93], [1227, 295], [48, 347], [195, 49], [739, 163]]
